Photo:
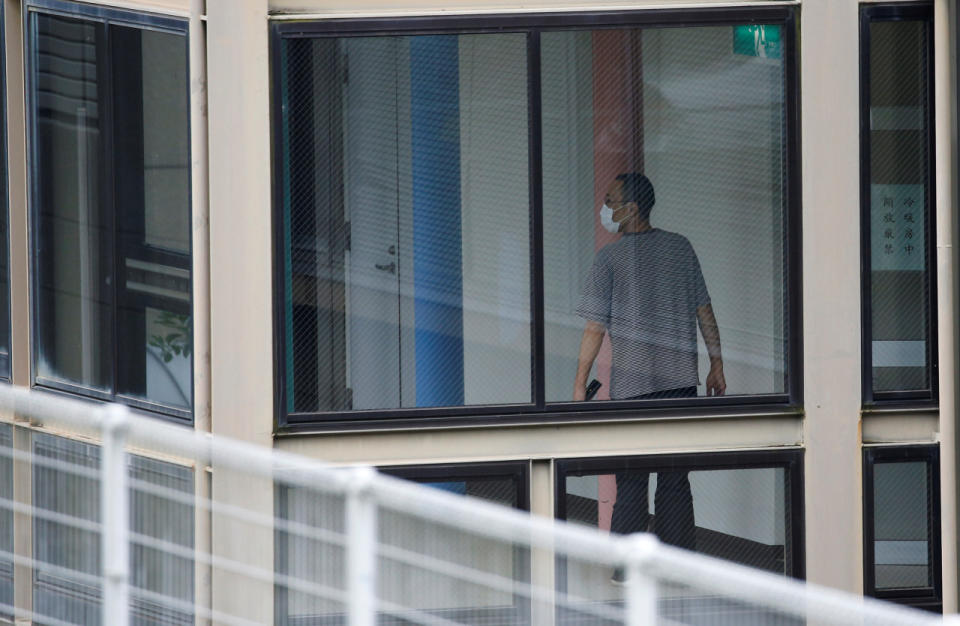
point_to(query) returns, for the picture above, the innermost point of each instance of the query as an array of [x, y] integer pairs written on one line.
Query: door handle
[[389, 267]]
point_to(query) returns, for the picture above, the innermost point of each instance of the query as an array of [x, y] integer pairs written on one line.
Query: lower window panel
[[68, 554], [902, 525], [415, 556], [744, 507]]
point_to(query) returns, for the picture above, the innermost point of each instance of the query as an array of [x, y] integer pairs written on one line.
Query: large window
[[466, 219], [901, 525], [897, 176], [110, 198]]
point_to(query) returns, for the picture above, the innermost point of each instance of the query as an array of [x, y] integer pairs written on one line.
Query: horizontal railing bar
[[19, 614], [51, 516], [41, 460]]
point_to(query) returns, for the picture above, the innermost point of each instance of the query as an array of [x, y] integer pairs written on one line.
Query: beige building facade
[[777, 153]]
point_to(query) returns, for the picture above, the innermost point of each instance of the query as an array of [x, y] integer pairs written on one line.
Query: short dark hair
[[638, 188]]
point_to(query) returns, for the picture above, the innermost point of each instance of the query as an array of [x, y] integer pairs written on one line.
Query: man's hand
[[716, 384], [579, 392]]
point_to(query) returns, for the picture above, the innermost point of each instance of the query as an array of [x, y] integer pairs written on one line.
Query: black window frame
[[927, 598], [518, 471], [928, 398], [538, 411], [106, 17], [790, 460]]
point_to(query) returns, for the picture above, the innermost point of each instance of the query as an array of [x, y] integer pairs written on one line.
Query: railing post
[[361, 521], [115, 516], [640, 593]]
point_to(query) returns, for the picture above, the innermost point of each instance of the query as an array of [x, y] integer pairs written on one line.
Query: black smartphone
[[593, 388]]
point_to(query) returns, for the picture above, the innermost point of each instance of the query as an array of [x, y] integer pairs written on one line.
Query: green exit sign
[[757, 40]]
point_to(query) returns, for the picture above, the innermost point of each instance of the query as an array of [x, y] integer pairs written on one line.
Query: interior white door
[[373, 199]]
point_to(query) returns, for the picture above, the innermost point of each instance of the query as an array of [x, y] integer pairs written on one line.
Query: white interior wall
[[372, 205], [712, 123], [744, 503], [495, 210]]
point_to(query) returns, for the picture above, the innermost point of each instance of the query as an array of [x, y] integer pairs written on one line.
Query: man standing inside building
[[647, 291]]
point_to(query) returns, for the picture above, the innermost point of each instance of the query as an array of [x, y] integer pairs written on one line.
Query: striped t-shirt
[[645, 289]]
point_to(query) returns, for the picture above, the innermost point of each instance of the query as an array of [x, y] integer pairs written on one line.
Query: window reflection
[[113, 210]]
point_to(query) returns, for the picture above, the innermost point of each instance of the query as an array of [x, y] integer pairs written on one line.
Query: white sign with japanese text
[[896, 227]]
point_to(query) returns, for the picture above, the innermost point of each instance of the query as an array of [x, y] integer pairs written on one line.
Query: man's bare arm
[[716, 384], [589, 347]]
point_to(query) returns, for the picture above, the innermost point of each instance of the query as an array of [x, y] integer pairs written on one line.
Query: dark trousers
[[674, 523]]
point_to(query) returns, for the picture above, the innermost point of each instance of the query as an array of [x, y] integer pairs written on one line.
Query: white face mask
[[606, 219]]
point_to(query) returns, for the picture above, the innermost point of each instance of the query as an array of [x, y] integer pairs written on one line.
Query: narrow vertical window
[[897, 197], [902, 525], [111, 209], [4, 228]]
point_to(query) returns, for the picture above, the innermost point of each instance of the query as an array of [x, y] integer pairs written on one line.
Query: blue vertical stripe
[[437, 265]]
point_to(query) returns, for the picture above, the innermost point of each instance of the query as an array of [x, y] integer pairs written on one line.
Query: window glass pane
[[166, 137], [902, 505], [309, 552], [64, 488], [74, 245], [153, 214], [899, 218], [681, 133], [743, 515], [161, 518], [406, 217], [113, 229]]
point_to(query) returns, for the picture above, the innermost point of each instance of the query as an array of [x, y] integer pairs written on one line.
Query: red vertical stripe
[[617, 148]]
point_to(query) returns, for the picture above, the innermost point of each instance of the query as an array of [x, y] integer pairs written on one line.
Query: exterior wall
[[234, 387], [945, 33], [831, 236]]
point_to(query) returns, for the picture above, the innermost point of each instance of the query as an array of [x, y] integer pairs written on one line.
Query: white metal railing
[[107, 532]]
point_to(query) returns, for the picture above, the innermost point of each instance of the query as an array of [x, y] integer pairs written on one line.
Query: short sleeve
[[700, 294], [597, 290]]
